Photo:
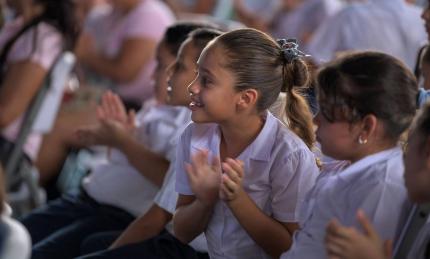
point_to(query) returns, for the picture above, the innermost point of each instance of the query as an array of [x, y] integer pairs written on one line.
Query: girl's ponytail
[[299, 117]]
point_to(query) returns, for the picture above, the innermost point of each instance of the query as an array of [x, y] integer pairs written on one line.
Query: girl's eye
[[204, 81], [178, 66]]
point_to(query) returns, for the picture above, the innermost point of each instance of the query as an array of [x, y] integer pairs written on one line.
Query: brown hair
[[258, 62], [177, 33], [364, 83], [202, 36], [426, 56]]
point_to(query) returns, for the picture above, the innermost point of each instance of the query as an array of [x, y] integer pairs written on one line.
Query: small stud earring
[[361, 141]]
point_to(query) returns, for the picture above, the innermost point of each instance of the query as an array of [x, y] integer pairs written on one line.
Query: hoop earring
[[361, 141]]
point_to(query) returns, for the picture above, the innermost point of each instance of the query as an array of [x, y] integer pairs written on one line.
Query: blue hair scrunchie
[[290, 50]]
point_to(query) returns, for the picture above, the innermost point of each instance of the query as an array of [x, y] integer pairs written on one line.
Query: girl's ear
[[247, 98], [369, 125]]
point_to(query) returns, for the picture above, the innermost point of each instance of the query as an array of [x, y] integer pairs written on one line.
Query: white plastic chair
[[39, 118], [15, 239]]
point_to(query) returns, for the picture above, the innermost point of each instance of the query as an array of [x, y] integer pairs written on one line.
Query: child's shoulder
[[383, 170], [284, 141]]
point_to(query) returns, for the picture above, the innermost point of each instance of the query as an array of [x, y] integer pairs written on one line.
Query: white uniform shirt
[[117, 182], [374, 184], [390, 26], [279, 171], [166, 199], [304, 19]]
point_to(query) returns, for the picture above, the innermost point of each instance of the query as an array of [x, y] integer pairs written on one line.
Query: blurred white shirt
[[374, 184], [390, 26]]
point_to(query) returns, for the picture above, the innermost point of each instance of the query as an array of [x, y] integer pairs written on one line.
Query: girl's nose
[[193, 88]]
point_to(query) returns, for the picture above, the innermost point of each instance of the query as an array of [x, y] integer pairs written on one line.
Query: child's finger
[[190, 172], [334, 250], [388, 248], [200, 159], [226, 192], [120, 108], [365, 223], [236, 166], [100, 112], [227, 182], [107, 124], [334, 228], [131, 118], [111, 104], [216, 163], [105, 104], [339, 243], [115, 105], [232, 174]]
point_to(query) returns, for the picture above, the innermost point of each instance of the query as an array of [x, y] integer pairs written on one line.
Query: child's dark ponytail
[[61, 15]]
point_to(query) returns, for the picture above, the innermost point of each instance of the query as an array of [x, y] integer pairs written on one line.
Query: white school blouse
[[166, 199], [390, 26], [374, 184], [116, 182], [279, 171]]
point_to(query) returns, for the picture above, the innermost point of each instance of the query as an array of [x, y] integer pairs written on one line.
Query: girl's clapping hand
[[204, 178], [349, 243], [231, 183]]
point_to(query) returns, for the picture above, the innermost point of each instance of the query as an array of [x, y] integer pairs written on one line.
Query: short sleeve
[[182, 156], [291, 181], [148, 21], [41, 45], [384, 204], [166, 197]]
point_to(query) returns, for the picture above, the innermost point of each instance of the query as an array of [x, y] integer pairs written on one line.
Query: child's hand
[[204, 178], [349, 243], [107, 132], [112, 108], [231, 183]]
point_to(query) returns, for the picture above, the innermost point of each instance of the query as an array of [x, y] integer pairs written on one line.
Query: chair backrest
[[43, 108], [14, 238], [51, 103]]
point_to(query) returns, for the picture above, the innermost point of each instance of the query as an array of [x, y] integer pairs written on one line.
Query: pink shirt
[[40, 45], [148, 20]]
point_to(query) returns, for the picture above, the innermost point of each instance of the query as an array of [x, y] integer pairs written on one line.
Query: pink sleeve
[[40, 45], [149, 21]]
